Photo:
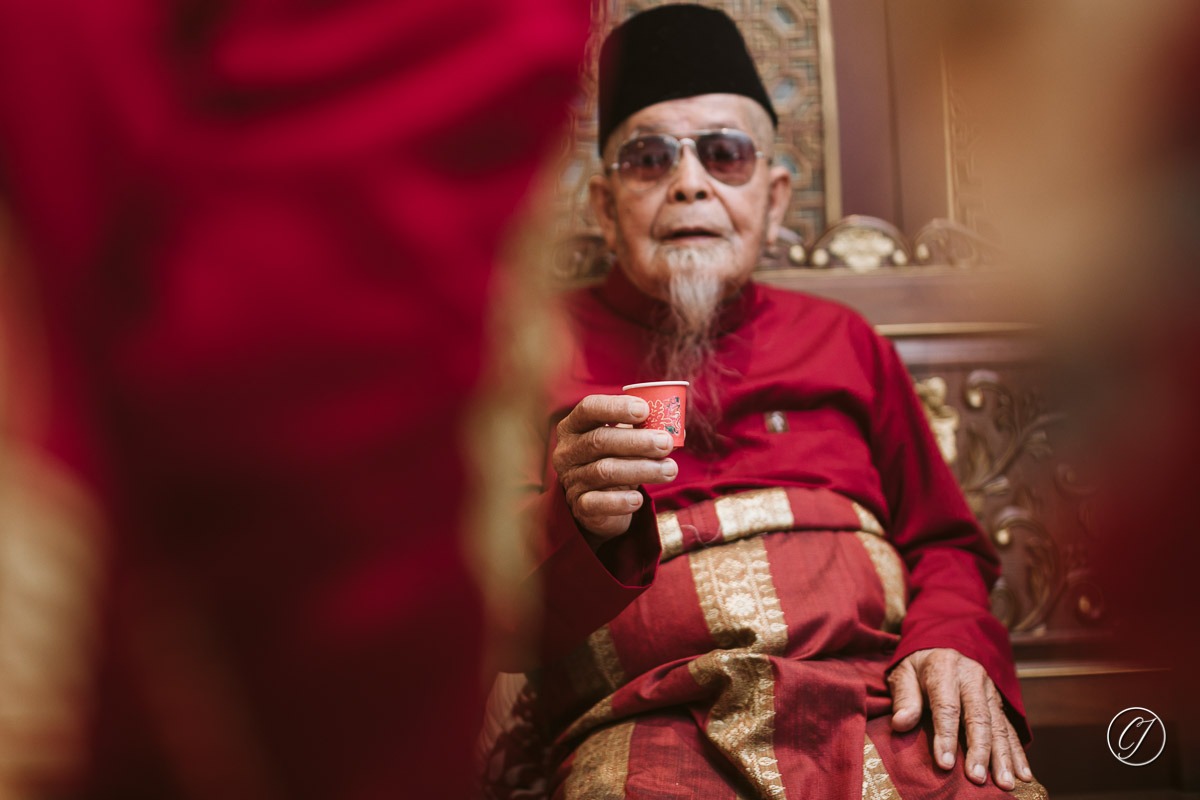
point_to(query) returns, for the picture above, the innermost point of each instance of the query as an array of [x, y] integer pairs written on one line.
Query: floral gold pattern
[[752, 512], [601, 765], [891, 575], [604, 655], [742, 611], [737, 595], [593, 666], [594, 717], [877, 784], [670, 534], [741, 722]]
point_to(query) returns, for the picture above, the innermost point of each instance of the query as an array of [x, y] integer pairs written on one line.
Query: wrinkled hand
[[601, 467], [958, 687]]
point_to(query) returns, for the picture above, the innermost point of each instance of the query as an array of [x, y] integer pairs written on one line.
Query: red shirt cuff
[[581, 589]]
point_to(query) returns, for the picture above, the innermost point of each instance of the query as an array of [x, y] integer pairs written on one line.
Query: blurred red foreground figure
[[261, 235]]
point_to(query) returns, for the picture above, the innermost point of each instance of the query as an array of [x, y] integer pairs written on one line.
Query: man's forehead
[[702, 112]]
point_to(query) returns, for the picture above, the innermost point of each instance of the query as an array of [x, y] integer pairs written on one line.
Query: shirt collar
[[626, 300]]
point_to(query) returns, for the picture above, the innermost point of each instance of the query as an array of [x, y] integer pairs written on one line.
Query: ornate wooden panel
[[1001, 434]]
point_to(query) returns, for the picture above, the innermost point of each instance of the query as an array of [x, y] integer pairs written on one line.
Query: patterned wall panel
[[784, 37]]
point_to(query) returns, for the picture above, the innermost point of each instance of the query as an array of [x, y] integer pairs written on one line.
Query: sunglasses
[[729, 155]]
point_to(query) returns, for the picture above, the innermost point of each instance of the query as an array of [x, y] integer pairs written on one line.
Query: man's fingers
[[596, 410], [957, 685], [609, 473], [620, 442], [1020, 762], [941, 684], [978, 725], [1002, 758], [580, 449], [602, 495], [610, 503], [598, 530], [596, 462], [906, 696]]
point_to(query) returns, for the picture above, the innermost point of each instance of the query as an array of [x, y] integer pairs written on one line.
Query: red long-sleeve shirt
[[854, 425]]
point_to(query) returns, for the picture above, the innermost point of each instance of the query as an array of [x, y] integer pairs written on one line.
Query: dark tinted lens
[[644, 161], [729, 157]]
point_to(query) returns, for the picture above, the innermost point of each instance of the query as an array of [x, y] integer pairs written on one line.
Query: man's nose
[[690, 181]]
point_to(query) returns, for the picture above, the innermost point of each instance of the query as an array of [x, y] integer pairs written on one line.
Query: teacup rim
[[654, 383]]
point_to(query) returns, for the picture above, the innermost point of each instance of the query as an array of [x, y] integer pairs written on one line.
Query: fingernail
[[1026, 775], [977, 773], [946, 759], [634, 499], [669, 468], [1007, 778], [639, 408], [662, 441]]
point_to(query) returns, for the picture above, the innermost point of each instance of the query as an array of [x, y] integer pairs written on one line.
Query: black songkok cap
[[671, 52]]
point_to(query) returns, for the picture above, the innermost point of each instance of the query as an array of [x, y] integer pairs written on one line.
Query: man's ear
[[779, 194], [604, 208]]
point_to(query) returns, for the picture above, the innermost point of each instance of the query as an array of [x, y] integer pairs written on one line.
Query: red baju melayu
[[735, 641]]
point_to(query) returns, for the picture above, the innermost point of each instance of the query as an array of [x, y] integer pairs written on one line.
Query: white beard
[[685, 350], [694, 291]]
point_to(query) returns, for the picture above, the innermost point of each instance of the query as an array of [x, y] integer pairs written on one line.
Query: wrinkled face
[[724, 227]]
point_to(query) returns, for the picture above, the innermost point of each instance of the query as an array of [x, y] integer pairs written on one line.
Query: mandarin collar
[[626, 300]]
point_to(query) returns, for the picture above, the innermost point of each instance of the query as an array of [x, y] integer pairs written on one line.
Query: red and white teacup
[[668, 406]]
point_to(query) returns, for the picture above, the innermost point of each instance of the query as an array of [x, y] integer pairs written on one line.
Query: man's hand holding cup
[[601, 465]]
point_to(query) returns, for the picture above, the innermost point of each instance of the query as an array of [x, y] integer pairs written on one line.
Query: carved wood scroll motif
[[1000, 434]]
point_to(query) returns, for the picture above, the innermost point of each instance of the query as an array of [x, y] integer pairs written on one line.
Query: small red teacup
[[668, 406]]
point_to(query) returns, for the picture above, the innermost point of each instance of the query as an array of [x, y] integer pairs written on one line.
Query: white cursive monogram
[[1129, 742]]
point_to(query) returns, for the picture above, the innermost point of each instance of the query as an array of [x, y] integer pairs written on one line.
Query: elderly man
[[795, 603]]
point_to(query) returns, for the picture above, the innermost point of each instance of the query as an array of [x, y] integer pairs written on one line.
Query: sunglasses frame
[[682, 142]]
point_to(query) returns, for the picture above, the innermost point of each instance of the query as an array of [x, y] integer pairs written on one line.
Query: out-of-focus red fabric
[[263, 233], [1145, 443]]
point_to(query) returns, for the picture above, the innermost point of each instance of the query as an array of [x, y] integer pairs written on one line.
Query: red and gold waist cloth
[[770, 622], [753, 667]]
